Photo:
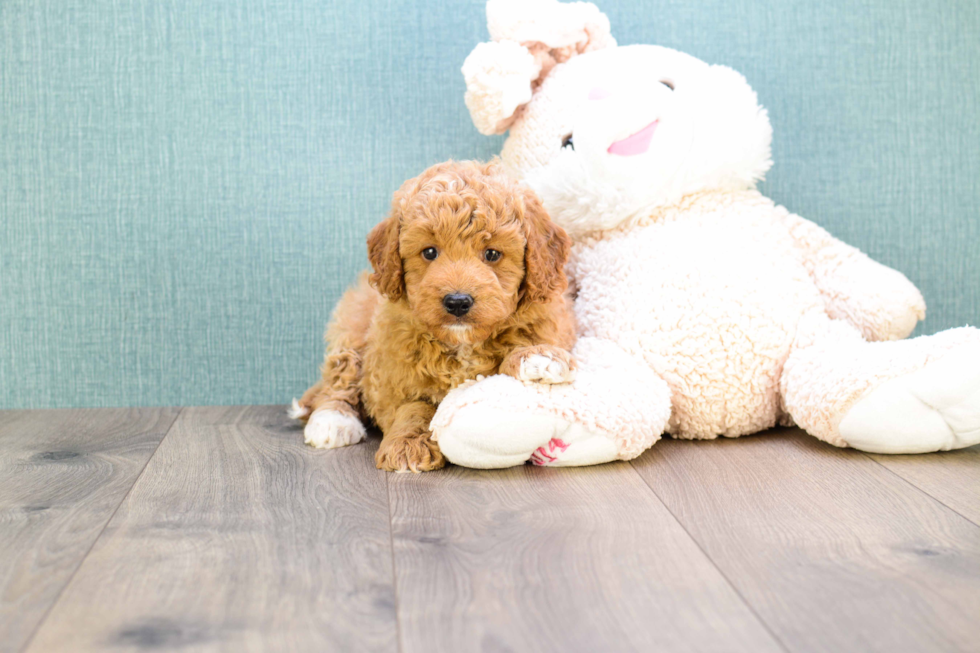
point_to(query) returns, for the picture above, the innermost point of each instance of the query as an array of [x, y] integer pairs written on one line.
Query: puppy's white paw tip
[[328, 429], [295, 411], [544, 369]]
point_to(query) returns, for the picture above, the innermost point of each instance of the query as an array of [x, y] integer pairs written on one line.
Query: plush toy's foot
[[487, 437], [614, 409], [485, 441], [328, 429], [934, 409], [903, 396]]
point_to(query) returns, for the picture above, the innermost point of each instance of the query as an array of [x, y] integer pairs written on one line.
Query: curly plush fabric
[[717, 318]]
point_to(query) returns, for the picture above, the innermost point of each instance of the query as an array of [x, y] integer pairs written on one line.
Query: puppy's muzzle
[[457, 304]]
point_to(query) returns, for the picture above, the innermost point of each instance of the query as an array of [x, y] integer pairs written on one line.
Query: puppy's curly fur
[[394, 350]]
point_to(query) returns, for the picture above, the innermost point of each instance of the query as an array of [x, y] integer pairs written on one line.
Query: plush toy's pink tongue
[[638, 143]]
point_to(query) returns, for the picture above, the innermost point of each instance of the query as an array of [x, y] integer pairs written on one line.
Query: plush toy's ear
[[386, 259], [545, 254], [498, 81], [529, 37], [575, 26]]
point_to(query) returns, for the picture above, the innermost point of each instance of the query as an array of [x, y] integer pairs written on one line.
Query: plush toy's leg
[[615, 409], [905, 396]]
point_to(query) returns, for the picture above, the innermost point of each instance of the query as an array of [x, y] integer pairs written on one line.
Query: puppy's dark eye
[[430, 253], [492, 255], [668, 84], [567, 142]]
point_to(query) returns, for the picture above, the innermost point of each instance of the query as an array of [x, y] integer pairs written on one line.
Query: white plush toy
[[703, 308]]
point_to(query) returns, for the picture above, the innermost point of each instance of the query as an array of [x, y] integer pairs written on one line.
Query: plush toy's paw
[[494, 437], [616, 408], [492, 434], [936, 408], [409, 454], [328, 429]]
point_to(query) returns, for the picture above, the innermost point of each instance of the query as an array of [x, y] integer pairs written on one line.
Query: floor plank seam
[[394, 571], [727, 580], [919, 489], [82, 559]]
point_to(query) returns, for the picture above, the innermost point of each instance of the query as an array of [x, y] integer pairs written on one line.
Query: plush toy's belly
[[711, 303]]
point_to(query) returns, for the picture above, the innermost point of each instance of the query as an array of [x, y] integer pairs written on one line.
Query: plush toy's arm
[[879, 301]]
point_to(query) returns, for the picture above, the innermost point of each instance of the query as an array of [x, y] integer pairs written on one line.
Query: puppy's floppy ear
[[545, 254], [386, 259]]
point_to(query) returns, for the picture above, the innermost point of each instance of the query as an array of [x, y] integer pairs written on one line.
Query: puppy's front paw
[[328, 429], [409, 454], [544, 369], [540, 364]]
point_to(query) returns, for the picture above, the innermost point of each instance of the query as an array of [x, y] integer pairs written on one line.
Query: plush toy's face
[[613, 133]]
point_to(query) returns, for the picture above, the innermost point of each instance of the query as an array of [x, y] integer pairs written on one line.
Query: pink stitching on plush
[[541, 457], [540, 453]]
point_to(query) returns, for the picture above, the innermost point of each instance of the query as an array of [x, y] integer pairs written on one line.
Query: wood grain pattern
[[238, 537], [62, 475], [833, 552], [563, 560], [952, 477]]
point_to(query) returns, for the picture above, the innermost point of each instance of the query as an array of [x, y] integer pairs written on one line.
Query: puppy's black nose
[[457, 304]]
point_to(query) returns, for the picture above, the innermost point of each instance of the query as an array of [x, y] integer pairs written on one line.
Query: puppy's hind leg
[[332, 406], [328, 429]]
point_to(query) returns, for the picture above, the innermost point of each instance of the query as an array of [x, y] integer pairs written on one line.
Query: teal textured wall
[[185, 186]]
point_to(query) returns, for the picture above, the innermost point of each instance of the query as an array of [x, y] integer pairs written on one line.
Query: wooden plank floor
[[63, 473], [213, 529]]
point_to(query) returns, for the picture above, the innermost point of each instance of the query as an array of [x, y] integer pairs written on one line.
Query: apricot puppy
[[468, 279]]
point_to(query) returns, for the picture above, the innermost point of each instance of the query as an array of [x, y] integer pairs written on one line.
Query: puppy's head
[[466, 247]]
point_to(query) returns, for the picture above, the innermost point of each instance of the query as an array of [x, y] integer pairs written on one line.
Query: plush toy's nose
[[457, 304], [637, 143]]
